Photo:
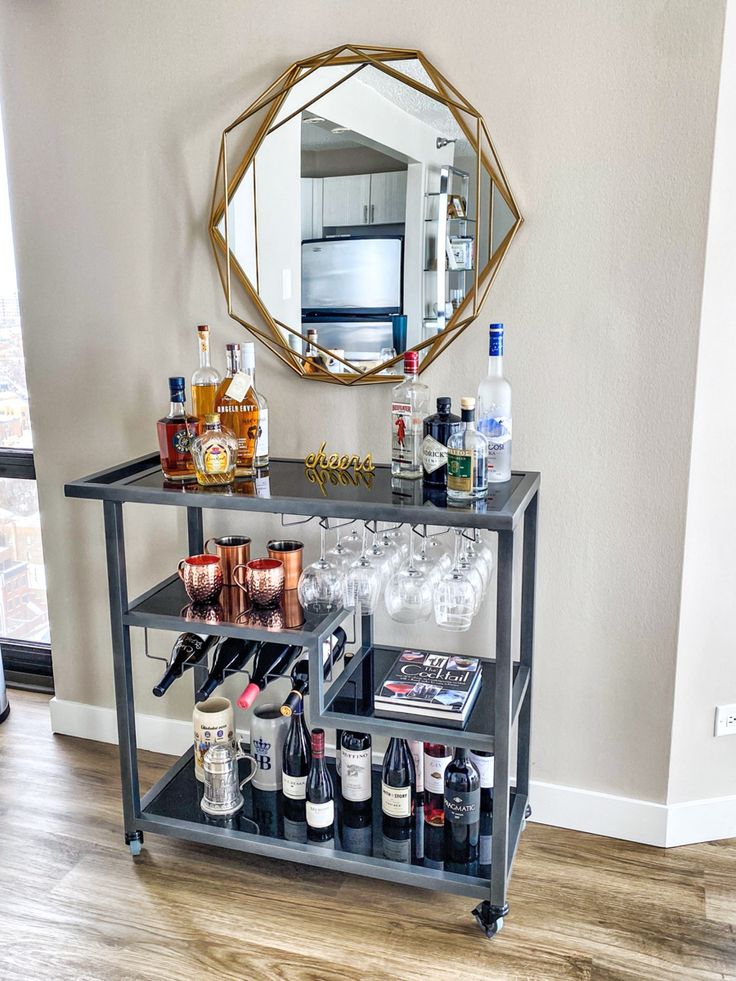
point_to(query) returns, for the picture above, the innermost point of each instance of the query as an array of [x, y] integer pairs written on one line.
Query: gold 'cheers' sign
[[338, 468]]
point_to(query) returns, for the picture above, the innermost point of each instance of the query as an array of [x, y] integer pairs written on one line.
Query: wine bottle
[[270, 659], [296, 760], [356, 831], [356, 770], [462, 810], [416, 748], [398, 782], [319, 793], [232, 655], [436, 758], [484, 765], [188, 649], [332, 652]]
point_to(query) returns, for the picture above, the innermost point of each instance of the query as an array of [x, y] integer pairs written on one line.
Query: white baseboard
[[664, 825]]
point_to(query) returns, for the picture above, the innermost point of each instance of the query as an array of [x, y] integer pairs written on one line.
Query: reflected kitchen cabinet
[[388, 198], [346, 200]]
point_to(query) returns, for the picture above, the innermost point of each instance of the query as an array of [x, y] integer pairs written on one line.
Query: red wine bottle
[[333, 651], [462, 810], [296, 760], [188, 649], [398, 785], [271, 659], [436, 758], [320, 795], [356, 773], [484, 765], [416, 748], [232, 655]]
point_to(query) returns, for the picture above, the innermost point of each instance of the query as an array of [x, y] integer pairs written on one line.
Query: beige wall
[[603, 116]]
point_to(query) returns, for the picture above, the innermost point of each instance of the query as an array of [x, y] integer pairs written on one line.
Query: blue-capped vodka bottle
[[494, 410]]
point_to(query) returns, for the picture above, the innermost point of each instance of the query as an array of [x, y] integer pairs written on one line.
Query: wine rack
[[500, 716]]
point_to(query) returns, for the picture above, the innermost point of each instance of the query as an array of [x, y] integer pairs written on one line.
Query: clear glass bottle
[[206, 379], [175, 434], [237, 406], [467, 466], [249, 364], [494, 410], [214, 453], [409, 403]]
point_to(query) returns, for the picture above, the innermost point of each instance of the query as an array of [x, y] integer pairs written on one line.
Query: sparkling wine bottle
[[271, 659], [398, 784], [332, 652], [437, 756], [188, 649], [320, 795], [356, 770], [462, 810], [232, 655], [296, 761]]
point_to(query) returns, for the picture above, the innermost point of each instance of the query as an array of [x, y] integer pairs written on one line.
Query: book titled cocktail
[[440, 688]]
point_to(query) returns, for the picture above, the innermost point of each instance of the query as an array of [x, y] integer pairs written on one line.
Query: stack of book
[[441, 688]]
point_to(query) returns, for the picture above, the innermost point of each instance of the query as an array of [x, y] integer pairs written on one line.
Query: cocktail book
[[440, 688]]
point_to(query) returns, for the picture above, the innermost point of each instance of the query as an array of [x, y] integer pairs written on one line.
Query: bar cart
[[344, 701]]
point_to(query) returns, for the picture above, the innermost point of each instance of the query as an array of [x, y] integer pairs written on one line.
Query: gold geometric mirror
[[359, 210]]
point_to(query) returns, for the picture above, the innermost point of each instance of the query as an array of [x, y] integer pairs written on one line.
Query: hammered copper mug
[[232, 550], [264, 581], [202, 577]]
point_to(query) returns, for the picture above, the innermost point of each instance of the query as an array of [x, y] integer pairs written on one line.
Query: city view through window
[[23, 610]]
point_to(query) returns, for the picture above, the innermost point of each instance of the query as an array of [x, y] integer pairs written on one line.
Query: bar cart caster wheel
[[134, 842], [490, 918]]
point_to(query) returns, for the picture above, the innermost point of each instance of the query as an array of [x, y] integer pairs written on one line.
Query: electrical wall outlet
[[725, 720]]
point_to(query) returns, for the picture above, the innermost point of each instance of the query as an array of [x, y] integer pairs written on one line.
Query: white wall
[[603, 115]]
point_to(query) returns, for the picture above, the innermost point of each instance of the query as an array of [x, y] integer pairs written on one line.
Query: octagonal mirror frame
[[472, 124]]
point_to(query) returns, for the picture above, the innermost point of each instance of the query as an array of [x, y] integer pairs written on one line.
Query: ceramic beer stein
[[267, 736], [213, 724]]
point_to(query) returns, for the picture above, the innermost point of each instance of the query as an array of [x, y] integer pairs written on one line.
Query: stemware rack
[[500, 717]]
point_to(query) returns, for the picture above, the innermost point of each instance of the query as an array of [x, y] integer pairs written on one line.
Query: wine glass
[[408, 594], [391, 549], [362, 584], [339, 555], [426, 563], [478, 561], [320, 584], [438, 554], [455, 597], [381, 559], [353, 541]]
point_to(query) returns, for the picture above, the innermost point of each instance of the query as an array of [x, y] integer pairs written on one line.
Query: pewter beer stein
[[222, 790]]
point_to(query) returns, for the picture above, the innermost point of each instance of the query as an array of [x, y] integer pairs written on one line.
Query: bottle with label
[[484, 764], [467, 475], [237, 406], [398, 783], [175, 434], [320, 797], [249, 365], [296, 761], [189, 649], [462, 811], [214, 453], [437, 430], [409, 402], [437, 756], [206, 379], [356, 770], [416, 748], [494, 410]]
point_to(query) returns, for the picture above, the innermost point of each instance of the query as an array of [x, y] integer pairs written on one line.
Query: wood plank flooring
[[75, 905]]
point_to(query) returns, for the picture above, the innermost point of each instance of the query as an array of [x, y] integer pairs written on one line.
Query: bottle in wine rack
[[398, 783], [296, 761], [332, 651], [416, 748], [270, 660], [462, 810], [320, 797], [437, 756], [232, 655], [188, 649], [356, 770]]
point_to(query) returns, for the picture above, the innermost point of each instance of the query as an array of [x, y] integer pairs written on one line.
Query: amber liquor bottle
[[175, 434], [237, 405], [206, 379]]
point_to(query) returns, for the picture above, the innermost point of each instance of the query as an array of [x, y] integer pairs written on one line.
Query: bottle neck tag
[[240, 386]]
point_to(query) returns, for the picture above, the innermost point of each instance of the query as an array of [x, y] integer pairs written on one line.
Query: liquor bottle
[[270, 659], [462, 810], [314, 362], [332, 651], [437, 756], [484, 764], [437, 430], [188, 649], [409, 401], [237, 407], [206, 379], [467, 473], [398, 782], [175, 434], [319, 793], [232, 655], [494, 410], [356, 771], [249, 364], [214, 453], [297, 758], [416, 748]]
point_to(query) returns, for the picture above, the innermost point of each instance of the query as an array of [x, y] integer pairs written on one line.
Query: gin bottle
[[249, 364], [494, 410], [409, 403], [467, 459]]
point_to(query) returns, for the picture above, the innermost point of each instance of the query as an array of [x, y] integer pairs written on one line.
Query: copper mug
[[232, 550], [290, 553], [202, 577], [264, 581]]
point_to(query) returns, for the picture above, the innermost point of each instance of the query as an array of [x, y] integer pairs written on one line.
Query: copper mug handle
[[206, 546], [235, 577], [179, 569]]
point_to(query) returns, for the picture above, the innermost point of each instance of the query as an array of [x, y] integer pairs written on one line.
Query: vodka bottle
[[494, 410]]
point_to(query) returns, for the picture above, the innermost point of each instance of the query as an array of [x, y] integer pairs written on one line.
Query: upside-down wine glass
[[339, 555], [408, 593], [320, 584], [455, 599], [362, 585]]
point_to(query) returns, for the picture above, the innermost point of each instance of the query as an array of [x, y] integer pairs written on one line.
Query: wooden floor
[[74, 904]]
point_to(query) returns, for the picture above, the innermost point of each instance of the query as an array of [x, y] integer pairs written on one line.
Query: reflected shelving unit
[[343, 700]]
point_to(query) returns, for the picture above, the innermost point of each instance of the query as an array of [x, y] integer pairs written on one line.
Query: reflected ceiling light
[[340, 129], [314, 119]]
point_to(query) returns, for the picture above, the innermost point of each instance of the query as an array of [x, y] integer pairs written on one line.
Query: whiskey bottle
[[494, 410], [237, 407], [214, 453], [249, 364], [437, 430], [409, 401], [467, 476], [314, 360], [206, 379], [175, 434]]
